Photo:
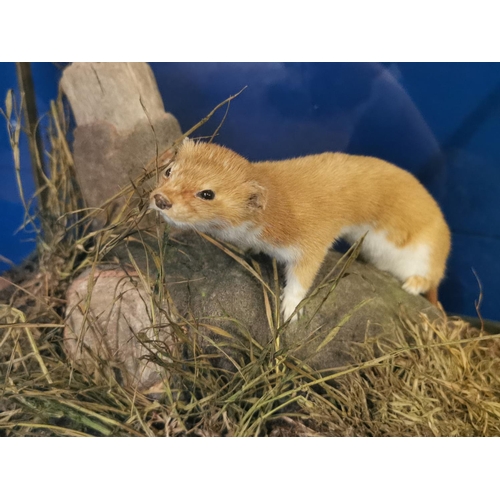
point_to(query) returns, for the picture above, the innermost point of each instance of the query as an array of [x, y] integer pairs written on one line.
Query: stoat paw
[[288, 306], [417, 285]]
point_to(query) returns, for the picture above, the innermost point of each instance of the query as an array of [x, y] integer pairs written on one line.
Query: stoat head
[[204, 185]]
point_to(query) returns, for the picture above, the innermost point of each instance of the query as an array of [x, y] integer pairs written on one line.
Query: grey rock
[[122, 126], [107, 161], [204, 282], [109, 327], [208, 288]]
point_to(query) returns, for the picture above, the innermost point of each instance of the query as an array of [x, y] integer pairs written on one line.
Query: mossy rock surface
[[209, 287]]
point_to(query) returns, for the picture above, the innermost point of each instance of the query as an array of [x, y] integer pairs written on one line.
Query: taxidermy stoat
[[294, 209]]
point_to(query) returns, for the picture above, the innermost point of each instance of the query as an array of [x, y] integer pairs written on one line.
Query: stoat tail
[[432, 296]]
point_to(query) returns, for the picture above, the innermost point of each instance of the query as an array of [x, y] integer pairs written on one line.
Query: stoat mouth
[[185, 224], [177, 223]]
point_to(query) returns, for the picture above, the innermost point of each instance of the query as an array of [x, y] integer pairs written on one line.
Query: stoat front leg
[[300, 275]]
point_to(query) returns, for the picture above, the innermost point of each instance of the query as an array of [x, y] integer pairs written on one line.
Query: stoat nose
[[161, 202]]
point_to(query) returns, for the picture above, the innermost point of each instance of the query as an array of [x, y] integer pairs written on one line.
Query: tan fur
[[431, 296], [302, 205]]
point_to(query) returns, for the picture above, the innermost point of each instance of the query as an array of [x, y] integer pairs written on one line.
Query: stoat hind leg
[[299, 278], [413, 263], [417, 285]]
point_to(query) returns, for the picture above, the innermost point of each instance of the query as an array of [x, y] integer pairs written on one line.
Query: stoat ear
[[172, 151], [257, 198], [167, 155]]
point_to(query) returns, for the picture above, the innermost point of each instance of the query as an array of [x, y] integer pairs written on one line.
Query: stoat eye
[[167, 172], [207, 194]]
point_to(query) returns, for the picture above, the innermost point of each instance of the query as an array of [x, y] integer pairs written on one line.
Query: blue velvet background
[[440, 121]]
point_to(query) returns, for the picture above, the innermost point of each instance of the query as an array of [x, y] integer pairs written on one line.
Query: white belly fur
[[412, 260], [248, 237]]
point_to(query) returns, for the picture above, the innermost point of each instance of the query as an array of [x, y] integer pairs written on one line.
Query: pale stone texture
[[121, 126], [110, 319], [120, 94]]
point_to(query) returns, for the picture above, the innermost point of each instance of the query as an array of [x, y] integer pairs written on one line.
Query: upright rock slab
[[121, 126]]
